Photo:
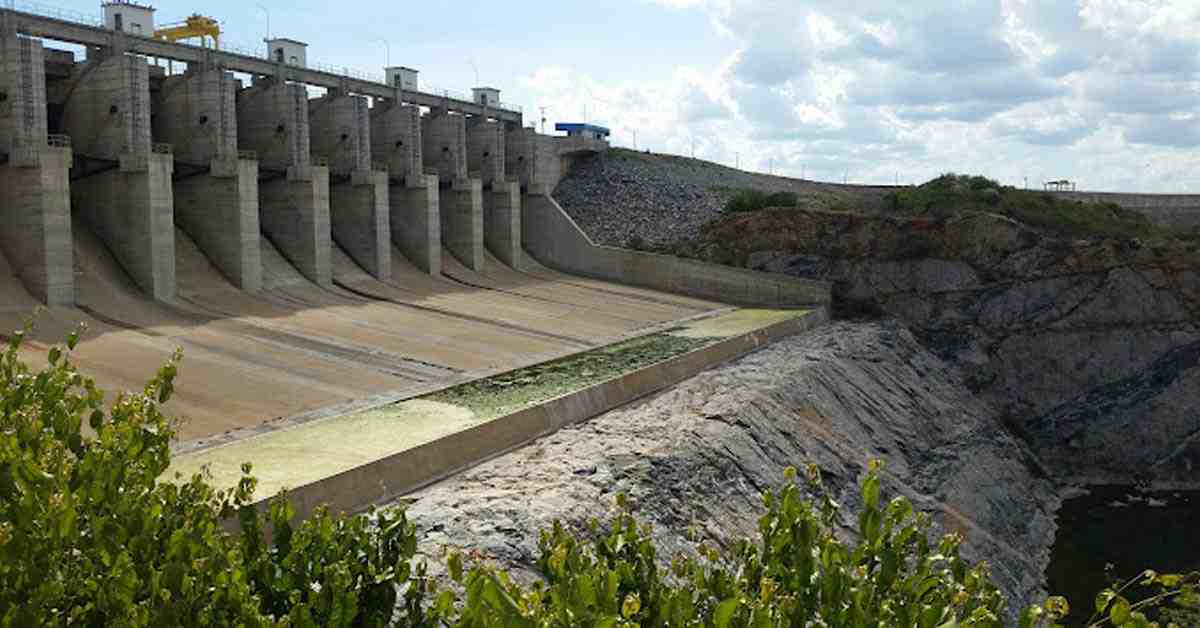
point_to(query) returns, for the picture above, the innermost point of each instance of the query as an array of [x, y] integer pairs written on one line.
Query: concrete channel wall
[[407, 471], [553, 238]]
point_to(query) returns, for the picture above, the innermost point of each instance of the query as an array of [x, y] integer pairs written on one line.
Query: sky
[[1102, 92]]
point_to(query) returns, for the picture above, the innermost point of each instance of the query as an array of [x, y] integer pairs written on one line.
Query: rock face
[[1090, 348], [625, 196], [701, 453]]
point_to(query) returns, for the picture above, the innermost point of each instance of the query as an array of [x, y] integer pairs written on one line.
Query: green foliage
[[749, 200], [951, 193], [1175, 597], [90, 536], [800, 573]]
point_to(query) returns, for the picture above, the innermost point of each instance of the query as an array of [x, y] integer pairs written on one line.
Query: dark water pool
[[1125, 528]]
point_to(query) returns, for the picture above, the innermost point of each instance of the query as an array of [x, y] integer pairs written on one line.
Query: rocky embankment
[[1091, 348], [698, 456], [623, 197], [989, 363]]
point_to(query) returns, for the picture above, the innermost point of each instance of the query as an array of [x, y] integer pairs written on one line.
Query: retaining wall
[[407, 471], [553, 238]]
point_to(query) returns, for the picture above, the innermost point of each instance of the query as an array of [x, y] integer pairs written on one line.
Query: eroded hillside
[[1088, 345], [697, 456]]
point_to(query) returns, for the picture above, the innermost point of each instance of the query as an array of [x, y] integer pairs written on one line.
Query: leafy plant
[[90, 536], [799, 573], [748, 200]]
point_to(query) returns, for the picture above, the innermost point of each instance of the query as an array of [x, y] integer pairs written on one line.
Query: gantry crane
[[195, 25]]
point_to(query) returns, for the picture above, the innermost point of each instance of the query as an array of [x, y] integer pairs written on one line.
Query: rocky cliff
[[699, 455], [1091, 348]]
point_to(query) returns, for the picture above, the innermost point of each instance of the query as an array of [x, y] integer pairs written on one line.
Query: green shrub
[[90, 536], [748, 200], [952, 193]]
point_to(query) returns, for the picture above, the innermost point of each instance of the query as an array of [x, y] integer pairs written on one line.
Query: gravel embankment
[[663, 198]]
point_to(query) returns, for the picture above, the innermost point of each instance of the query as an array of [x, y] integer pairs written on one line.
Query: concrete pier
[[485, 151], [216, 190], [293, 193], [532, 159], [461, 208], [416, 222], [122, 185], [35, 195], [444, 144], [502, 222], [412, 194], [358, 195]]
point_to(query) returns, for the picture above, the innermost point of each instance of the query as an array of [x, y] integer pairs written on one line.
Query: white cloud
[[1015, 88]]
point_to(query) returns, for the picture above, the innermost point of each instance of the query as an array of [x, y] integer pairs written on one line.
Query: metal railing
[[60, 141], [445, 93], [56, 13], [96, 21], [161, 148], [347, 72]]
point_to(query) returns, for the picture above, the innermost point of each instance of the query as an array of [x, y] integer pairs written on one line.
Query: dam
[[312, 255]]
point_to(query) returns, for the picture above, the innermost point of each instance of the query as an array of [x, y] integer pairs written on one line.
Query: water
[[1128, 529]]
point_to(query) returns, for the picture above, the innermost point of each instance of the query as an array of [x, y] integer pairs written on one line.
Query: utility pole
[[737, 161], [635, 139], [543, 129], [693, 148]]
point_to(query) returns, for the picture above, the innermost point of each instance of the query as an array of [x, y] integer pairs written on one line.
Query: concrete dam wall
[[308, 254]]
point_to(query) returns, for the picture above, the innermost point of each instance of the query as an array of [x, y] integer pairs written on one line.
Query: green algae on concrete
[[312, 451], [506, 393]]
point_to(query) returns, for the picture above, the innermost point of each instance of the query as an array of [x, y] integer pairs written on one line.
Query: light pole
[[543, 131], [387, 51], [267, 41], [268, 14]]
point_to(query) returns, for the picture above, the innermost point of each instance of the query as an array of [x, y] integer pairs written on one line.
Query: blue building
[[579, 129]]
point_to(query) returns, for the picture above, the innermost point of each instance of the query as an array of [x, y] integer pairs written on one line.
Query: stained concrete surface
[[296, 347], [308, 452]]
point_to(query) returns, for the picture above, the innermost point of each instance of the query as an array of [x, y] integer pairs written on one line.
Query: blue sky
[[1106, 92]]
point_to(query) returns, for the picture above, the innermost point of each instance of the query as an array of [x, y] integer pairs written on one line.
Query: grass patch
[[951, 194], [505, 393]]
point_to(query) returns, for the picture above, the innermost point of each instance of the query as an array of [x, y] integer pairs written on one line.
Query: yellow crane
[[195, 25]]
